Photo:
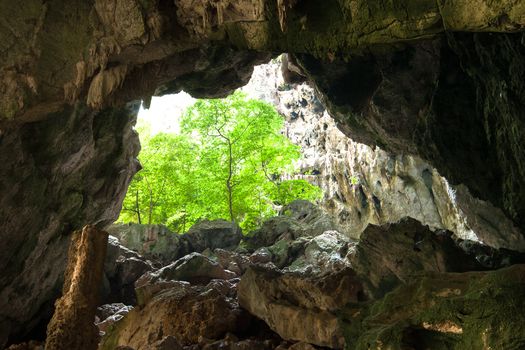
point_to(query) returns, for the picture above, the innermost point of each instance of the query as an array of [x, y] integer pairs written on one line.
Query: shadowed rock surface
[[56, 176], [455, 101], [473, 310]]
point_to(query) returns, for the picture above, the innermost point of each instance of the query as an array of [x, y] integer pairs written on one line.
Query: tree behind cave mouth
[[229, 161]]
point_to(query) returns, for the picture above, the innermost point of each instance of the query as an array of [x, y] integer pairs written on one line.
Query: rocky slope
[[309, 287]]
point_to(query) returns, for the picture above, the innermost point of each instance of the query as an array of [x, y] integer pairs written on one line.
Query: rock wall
[[455, 101], [58, 174], [101, 52], [364, 185]]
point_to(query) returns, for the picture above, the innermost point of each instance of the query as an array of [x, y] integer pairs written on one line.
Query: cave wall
[[57, 175], [456, 101], [106, 52], [438, 79], [365, 185]]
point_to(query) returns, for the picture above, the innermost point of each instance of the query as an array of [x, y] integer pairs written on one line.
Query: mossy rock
[[473, 310]]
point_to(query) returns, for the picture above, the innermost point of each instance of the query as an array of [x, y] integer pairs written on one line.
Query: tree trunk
[[137, 206], [229, 180]]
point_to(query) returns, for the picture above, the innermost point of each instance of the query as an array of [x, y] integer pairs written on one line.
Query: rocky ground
[[301, 283]]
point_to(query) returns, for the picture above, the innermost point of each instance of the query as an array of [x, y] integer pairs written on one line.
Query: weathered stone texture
[[56, 176], [75, 311]]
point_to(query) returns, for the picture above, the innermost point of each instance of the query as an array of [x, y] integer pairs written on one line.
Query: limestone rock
[[75, 310], [324, 253], [389, 255], [115, 253], [112, 318], [301, 219], [107, 310], [231, 261], [154, 242], [403, 76], [307, 311], [364, 185], [122, 267], [193, 267], [213, 234], [72, 168], [444, 310], [301, 301], [186, 312], [465, 127]]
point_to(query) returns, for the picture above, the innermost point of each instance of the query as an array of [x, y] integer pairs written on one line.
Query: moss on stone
[[475, 310]]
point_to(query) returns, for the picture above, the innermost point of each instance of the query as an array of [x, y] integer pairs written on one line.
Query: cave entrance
[[231, 158]]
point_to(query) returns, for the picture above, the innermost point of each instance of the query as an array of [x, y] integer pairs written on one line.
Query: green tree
[[228, 162]]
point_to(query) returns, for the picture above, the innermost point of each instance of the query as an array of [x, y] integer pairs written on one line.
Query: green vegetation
[[228, 162]]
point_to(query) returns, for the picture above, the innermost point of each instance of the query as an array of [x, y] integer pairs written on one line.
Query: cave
[[436, 86]]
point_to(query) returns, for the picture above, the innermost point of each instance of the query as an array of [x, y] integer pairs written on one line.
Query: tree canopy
[[229, 161]]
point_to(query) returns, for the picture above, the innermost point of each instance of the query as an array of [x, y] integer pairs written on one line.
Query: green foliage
[[228, 162]]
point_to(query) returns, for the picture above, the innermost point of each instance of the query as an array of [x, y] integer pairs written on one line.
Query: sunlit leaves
[[228, 162]]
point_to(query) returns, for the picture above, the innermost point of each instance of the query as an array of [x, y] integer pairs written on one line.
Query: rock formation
[[328, 291], [156, 242], [56, 176], [442, 80], [75, 310], [364, 185], [151, 241]]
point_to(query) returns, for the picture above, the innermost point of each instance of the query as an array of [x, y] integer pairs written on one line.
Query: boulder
[[231, 260], [104, 325], [297, 306], [107, 310], [314, 219], [324, 253], [194, 267], [389, 255], [300, 218], [302, 300], [213, 234], [270, 231], [154, 242], [122, 267], [188, 313]]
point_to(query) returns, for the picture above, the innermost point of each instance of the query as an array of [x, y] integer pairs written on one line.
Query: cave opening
[[225, 158]]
